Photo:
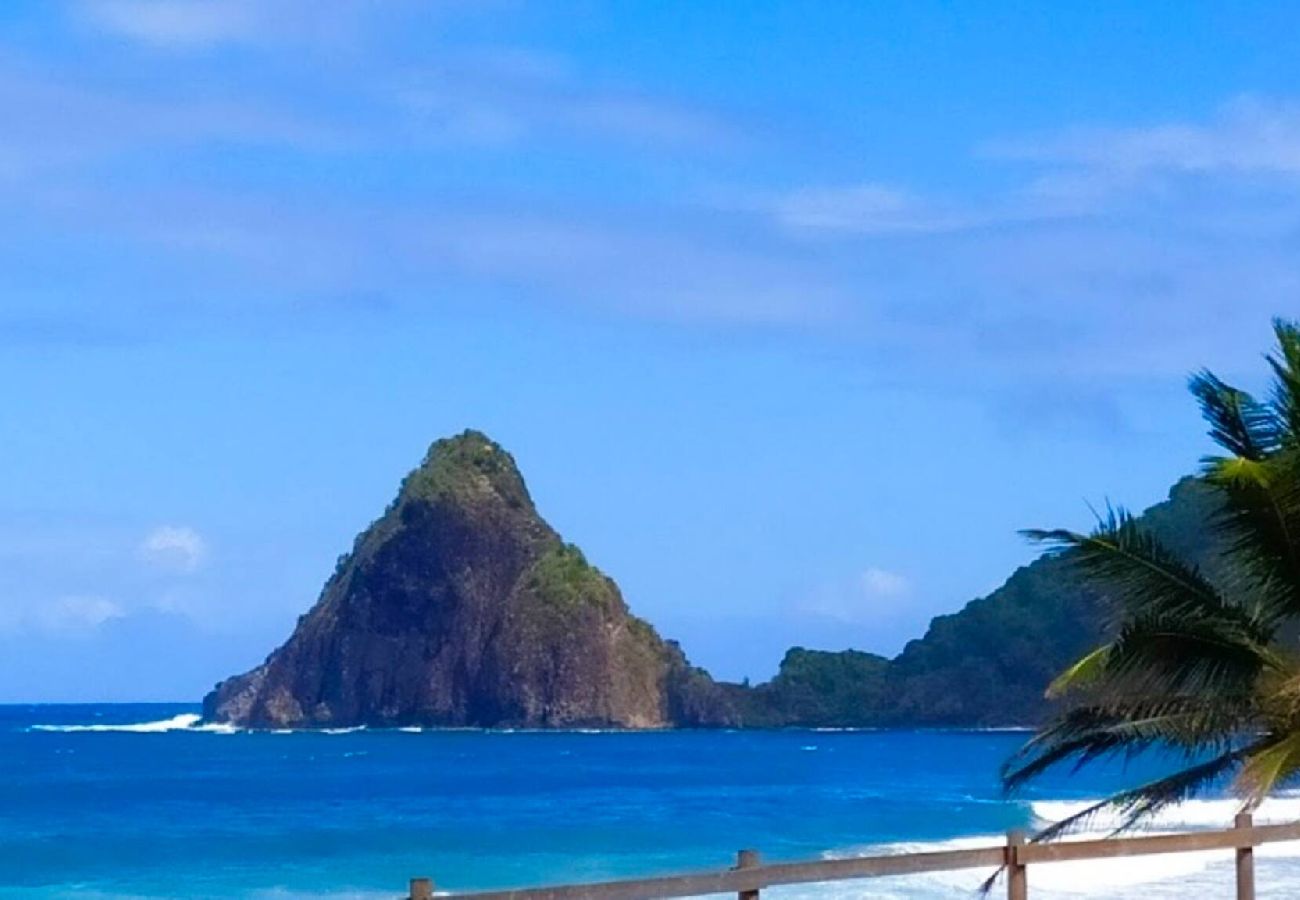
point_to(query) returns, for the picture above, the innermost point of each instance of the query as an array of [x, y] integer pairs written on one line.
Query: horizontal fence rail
[[750, 875]]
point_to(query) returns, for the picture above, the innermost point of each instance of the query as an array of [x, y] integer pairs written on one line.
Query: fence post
[[1245, 862], [1017, 877], [747, 859], [421, 889]]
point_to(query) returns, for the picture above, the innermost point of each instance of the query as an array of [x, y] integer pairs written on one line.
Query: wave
[[1086, 878], [183, 722], [1190, 814], [1174, 876]]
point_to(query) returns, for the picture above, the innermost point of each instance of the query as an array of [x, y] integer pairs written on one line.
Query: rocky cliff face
[[460, 606]]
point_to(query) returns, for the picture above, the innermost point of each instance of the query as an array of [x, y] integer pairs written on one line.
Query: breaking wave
[[183, 722], [1175, 875], [1189, 814]]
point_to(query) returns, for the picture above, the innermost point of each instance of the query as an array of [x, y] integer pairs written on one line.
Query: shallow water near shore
[[139, 801]]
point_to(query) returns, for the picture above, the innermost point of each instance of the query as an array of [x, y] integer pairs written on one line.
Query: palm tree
[[1204, 664]]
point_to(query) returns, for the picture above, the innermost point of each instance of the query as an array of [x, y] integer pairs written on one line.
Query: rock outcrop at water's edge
[[461, 606]]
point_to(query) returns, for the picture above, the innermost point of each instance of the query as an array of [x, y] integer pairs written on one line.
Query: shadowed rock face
[[460, 606]]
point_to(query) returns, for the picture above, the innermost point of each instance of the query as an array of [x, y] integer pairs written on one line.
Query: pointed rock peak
[[466, 467], [461, 606]]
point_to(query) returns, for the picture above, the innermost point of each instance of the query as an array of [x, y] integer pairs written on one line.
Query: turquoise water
[[132, 801]]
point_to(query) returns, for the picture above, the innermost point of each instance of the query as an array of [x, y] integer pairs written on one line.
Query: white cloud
[[1082, 172], [194, 25], [865, 209], [874, 597], [1245, 136], [174, 548], [880, 210], [886, 585], [501, 97], [75, 614], [172, 23]]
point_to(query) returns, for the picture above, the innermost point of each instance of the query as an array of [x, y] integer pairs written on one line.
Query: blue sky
[[792, 314]]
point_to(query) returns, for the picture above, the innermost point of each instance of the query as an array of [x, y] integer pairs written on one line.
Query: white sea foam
[[1188, 814], [188, 722], [182, 722], [1175, 876]]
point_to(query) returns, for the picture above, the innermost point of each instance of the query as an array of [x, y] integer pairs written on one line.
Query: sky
[[791, 314]]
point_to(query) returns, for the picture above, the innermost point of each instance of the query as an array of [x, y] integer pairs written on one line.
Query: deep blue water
[[197, 813]]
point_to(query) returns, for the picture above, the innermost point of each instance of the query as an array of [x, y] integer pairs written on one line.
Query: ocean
[[138, 801]]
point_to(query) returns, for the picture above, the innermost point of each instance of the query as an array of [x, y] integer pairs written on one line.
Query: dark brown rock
[[460, 606]]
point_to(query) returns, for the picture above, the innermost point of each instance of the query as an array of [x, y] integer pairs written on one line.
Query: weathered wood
[[1017, 877], [1015, 856], [421, 889], [1245, 861], [747, 859], [737, 880]]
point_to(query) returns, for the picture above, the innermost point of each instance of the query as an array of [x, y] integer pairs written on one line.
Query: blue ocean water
[[134, 801]]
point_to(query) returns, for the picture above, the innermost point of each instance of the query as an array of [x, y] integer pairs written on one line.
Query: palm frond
[[1260, 527], [1286, 374], [1170, 653], [1128, 726], [1267, 768], [1238, 422], [1134, 568], [1143, 801], [1086, 671]]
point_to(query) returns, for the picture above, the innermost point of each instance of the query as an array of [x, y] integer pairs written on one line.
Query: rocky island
[[461, 607]]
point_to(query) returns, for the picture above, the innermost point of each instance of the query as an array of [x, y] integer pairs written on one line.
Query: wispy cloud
[[411, 180], [884, 584], [1247, 135], [875, 596], [174, 23], [500, 96], [69, 577], [871, 209], [1087, 242], [73, 615], [62, 127], [188, 26], [1078, 172], [174, 548]]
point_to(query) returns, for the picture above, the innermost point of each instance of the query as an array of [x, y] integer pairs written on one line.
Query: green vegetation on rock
[[815, 688], [462, 466], [563, 578]]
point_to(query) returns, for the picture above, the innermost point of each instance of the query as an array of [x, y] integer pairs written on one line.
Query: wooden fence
[[750, 875]]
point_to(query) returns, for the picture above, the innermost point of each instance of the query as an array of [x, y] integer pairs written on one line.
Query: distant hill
[[985, 665], [461, 606]]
